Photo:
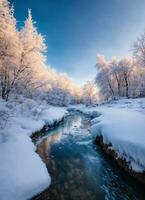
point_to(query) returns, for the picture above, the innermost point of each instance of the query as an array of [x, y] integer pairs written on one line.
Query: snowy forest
[[35, 98], [23, 64], [24, 70], [125, 77]]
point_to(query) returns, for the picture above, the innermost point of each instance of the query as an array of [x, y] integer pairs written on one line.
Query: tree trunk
[[118, 84], [111, 89], [127, 86]]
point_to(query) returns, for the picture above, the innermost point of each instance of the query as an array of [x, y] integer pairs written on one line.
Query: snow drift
[[122, 125], [22, 172]]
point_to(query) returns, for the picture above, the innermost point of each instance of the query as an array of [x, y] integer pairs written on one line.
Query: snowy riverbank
[[22, 172], [121, 124]]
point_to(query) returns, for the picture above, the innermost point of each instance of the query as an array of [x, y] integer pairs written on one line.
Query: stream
[[79, 169]]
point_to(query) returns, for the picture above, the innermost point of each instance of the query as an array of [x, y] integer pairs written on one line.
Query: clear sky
[[77, 30]]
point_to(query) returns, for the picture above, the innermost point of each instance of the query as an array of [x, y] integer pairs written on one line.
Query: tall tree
[[104, 77], [139, 50], [32, 54], [115, 73], [139, 55], [126, 68], [9, 49]]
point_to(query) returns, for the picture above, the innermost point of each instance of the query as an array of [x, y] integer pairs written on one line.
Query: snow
[[57, 113], [22, 172], [125, 130], [122, 124]]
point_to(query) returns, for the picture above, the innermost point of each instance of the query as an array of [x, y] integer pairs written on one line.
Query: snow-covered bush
[[4, 117]]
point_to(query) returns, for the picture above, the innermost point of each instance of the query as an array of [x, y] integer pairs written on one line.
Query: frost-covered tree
[[126, 68], [58, 96], [139, 50], [90, 93], [103, 78], [32, 55], [139, 55], [22, 63], [9, 49], [62, 90], [115, 77]]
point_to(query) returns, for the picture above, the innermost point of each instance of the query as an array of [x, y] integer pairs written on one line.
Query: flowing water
[[79, 169]]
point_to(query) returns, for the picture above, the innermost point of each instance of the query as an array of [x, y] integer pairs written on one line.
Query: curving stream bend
[[79, 169]]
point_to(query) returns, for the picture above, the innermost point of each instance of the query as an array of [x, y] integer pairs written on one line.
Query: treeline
[[23, 69], [124, 77]]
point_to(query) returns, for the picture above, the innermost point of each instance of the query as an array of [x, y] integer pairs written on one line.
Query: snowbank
[[122, 125], [125, 131], [22, 172]]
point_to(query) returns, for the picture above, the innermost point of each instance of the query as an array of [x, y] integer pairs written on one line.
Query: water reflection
[[70, 126], [44, 148], [79, 169]]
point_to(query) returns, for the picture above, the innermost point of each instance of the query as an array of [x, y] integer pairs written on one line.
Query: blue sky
[[77, 30]]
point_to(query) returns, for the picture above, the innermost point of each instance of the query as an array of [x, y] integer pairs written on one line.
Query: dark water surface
[[79, 169]]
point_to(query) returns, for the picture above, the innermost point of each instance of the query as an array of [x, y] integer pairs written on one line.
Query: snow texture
[[22, 172], [122, 124]]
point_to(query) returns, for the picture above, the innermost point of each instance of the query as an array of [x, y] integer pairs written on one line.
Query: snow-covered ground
[[122, 124], [22, 172]]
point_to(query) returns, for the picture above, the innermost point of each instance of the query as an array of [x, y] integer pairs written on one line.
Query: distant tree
[[104, 78], [115, 78], [58, 96], [90, 93], [139, 50], [115, 70], [126, 69]]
